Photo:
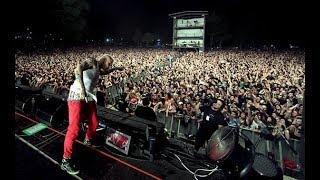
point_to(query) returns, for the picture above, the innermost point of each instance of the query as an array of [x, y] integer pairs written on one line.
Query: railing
[[112, 93], [278, 147]]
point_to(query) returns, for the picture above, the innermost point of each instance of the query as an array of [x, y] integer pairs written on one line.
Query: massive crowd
[[261, 88]]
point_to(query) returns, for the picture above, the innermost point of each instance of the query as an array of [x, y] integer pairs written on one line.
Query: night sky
[[261, 19]]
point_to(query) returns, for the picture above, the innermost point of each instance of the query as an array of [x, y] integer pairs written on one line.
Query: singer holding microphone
[[82, 104]]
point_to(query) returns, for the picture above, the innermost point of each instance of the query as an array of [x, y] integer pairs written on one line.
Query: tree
[[137, 36], [71, 17], [218, 29], [147, 38]]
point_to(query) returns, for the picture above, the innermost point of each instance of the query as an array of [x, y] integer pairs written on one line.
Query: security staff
[[212, 120]]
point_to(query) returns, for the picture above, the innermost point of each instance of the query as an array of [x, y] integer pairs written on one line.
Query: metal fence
[[175, 126]]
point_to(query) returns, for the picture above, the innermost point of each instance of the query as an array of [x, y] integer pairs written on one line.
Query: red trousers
[[78, 110]]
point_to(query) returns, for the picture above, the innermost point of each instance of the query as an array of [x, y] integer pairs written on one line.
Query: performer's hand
[[83, 95]]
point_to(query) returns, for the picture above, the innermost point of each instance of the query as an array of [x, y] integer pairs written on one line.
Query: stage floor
[[42, 152]]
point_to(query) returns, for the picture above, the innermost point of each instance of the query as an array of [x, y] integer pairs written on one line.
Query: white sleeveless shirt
[[90, 80]]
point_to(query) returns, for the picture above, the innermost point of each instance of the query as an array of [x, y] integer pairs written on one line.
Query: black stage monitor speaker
[[137, 128], [265, 168], [51, 110], [24, 98]]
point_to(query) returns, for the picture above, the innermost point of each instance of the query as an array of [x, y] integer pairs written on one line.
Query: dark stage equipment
[[132, 137]]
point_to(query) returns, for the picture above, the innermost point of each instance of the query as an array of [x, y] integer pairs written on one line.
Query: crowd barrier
[[280, 150]]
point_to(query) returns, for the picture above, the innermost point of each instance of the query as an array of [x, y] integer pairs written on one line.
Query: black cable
[[197, 162]]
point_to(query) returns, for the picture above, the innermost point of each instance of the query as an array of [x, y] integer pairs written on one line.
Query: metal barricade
[[175, 125], [179, 118], [287, 154], [278, 147], [112, 93]]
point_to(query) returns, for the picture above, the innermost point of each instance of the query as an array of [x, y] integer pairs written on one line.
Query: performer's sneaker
[[88, 142], [66, 165]]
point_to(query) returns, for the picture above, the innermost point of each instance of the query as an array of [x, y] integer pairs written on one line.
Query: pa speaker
[[51, 110], [25, 98]]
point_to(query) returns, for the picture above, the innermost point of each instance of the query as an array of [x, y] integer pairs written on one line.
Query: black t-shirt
[[209, 125], [241, 99], [100, 97], [294, 101], [145, 113], [282, 101], [269, 109], [213, 117], [179, 110], [24, 81]]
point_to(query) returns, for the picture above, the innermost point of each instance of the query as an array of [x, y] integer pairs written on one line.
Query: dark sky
[[262, 19]]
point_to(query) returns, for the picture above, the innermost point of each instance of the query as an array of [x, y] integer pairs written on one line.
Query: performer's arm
[[90, 63], [220, 126], [111, 70]]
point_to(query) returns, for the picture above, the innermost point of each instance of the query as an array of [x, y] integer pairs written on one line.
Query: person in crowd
[[212, 120], [145, 111]]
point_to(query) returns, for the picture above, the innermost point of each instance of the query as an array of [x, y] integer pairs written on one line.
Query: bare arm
[[220, 126], [111, 70], [90, 63]]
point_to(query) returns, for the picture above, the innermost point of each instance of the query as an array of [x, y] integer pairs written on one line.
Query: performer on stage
[[212, 120], [82, 101]]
